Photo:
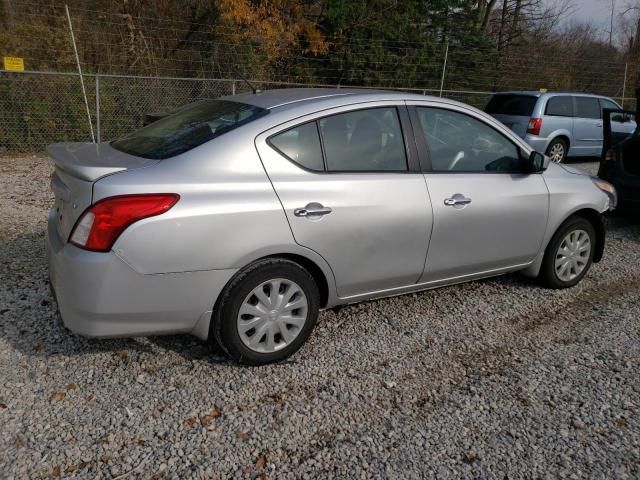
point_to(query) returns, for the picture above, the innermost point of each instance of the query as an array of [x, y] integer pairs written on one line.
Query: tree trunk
[[503, 21]]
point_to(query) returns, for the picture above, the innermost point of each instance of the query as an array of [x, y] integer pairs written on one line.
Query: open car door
[[620, 160]]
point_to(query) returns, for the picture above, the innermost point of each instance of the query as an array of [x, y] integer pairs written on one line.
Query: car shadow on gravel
[[31, 323], [29, 320]]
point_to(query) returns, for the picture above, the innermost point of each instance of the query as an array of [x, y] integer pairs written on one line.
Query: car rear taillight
[[610, 156], [535, 124], [102, 223]]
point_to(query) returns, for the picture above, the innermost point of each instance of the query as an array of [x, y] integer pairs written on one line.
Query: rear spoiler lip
[[90, 162]]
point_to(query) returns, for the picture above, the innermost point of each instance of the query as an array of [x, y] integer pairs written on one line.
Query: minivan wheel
[[569, 254], [266, 313], [557, 150]]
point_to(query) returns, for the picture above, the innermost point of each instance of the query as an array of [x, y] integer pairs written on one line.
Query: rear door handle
[[457, 199], [311, 210]]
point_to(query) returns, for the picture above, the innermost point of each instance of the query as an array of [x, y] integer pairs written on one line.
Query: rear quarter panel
[[228, 213]]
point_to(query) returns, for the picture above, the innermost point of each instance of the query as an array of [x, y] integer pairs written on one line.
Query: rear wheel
[[557, 150], [267, 312], [569, 254]]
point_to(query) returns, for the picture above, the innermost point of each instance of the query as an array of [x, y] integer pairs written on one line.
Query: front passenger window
[[458, 142]]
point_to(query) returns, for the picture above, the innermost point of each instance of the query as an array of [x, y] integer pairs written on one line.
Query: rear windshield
[[521, 105], [187, 128]]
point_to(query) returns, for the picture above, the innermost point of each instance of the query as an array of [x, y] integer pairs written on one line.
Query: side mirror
[[619, 117], [537, 162]]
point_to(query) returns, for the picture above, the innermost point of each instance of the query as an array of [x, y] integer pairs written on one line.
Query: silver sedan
[[238, 219]]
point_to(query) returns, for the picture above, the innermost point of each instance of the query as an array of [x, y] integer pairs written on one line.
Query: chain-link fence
[[136, 65], [39, 108]]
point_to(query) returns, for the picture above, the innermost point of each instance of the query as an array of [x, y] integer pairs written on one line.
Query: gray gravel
[[492, 379]]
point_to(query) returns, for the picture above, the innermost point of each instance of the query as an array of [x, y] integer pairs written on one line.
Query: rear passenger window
[[587, 107], [605, 103], [364, 140], [302, 145], [560, 107]]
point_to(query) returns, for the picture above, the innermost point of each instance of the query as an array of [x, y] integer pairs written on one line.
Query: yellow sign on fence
[[15, 64]]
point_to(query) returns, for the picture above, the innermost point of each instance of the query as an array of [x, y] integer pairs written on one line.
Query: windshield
[[520, 105], [187, 128]]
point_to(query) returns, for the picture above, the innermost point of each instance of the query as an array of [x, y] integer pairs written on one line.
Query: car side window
[[459, 142], [560, 106], [364, 140], [301, 144], [608, 104], [605, 103], [587, 107]]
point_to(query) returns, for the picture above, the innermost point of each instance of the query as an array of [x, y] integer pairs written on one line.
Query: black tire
[[224, 330], [548, 274], [557, 143]]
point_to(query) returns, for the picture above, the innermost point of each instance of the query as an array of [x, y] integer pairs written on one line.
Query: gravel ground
[[492, 379]]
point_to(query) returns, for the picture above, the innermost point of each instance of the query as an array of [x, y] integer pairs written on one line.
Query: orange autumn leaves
[[279, 27]]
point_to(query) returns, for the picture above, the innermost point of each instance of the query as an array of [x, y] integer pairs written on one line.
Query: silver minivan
[[560, 125]]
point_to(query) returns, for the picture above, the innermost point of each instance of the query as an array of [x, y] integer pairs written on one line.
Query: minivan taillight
[[101, 224], [535, 124]]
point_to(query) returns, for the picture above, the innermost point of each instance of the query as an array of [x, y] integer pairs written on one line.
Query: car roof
[[290, 97]]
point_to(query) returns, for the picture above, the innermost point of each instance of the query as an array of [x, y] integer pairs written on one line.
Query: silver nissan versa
[[238, 219]]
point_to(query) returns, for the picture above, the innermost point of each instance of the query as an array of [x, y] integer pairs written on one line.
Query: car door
[[621, 124], [488, 215], [587, 126], [352, 191]]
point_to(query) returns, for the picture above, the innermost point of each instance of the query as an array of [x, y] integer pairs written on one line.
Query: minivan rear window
[[507, 104], [187, 128]]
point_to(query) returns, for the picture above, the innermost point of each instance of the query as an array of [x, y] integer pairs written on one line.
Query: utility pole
[[613, 10]]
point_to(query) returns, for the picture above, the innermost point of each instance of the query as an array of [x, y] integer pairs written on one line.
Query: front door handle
[[311, 210], [457, 199]]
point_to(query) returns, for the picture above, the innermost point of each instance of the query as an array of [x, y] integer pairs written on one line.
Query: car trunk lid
[[77, 167]]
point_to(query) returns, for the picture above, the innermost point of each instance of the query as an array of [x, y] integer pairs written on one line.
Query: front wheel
[[557, 150], [267, 312], [569, 254]]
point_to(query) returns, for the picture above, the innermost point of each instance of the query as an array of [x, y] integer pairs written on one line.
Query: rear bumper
[[99, 295], [539, 144]]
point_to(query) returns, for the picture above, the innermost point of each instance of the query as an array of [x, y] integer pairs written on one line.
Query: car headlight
[[609, 189]]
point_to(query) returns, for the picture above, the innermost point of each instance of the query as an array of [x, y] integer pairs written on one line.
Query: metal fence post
[[444, 68], [624, 83], [98, 107], [233, 88]]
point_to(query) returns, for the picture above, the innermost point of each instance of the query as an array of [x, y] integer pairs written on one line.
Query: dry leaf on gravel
[[190, 422], [261, 462], [70, 469], [57, 396], [56, 471], [242, 435], [209, 417], [72, 386]]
